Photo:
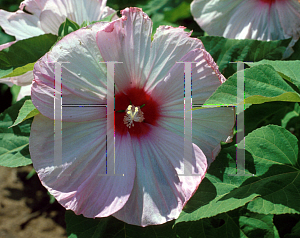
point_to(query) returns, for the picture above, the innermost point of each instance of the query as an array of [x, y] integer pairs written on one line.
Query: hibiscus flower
[[148, 125], [249, 19], [37, 17]]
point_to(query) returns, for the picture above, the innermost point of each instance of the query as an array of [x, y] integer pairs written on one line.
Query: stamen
[[133, 113]]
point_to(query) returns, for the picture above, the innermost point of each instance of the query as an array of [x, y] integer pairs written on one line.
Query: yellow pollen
[[133, 114]]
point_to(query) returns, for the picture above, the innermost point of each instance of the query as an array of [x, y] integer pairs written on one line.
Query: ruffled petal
[[79, 182], [210, 127], [213, 16], [257, 19], [55, 12], [83, 78], [159, 194], [127, 40], [168, 46], [206, 78], [291, 24], [20, 24], [34, 7]]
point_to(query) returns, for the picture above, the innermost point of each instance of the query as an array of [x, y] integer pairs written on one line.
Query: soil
[[25, 210]]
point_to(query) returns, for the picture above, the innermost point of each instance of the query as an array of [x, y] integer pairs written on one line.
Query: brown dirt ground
[[25, 210]]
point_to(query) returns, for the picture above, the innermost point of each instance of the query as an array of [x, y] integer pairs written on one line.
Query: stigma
[[133, 113]]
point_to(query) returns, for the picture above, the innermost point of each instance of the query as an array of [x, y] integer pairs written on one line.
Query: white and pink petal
[[210, 126], [159, 193], [127, 40], [55, 12], [169, 46], [79, 181], [84, 78], [20, 24], [257, 19]]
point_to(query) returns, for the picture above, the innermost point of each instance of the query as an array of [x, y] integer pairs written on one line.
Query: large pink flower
[[149, 120], [37, 17], [249, 19]]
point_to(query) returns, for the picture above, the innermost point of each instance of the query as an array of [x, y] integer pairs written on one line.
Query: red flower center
[[136, 97], [270, 2]]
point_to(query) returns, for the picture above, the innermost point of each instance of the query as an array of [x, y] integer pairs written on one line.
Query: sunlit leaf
[[20, 70], [272, 154], [14, 142], [289, 70], [24, 52], [27, 111], [262, 84]]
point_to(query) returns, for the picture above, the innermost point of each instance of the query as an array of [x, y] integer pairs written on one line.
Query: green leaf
[[180, 12], [14, 142], [4, 38], [82, 227], [20, 70], [225, 50], [24, 52], [206, 202], [14, 90], [67, 27], [295, 232], [271, 156], [264, 114], [296, 54], [278, 148], [262, 84], [27, 111], [237, 223], [289, 70], [291, 115]]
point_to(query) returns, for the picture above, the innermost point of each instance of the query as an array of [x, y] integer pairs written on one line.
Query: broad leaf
[[24, 52], [295, 232], [296, 54], [264, 114], [271, 156], [226, 51], [14, 142], [290, 115], [82, 227], [262, 84], [20, 70], [289, 70], [27, 111], [237, 223]]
